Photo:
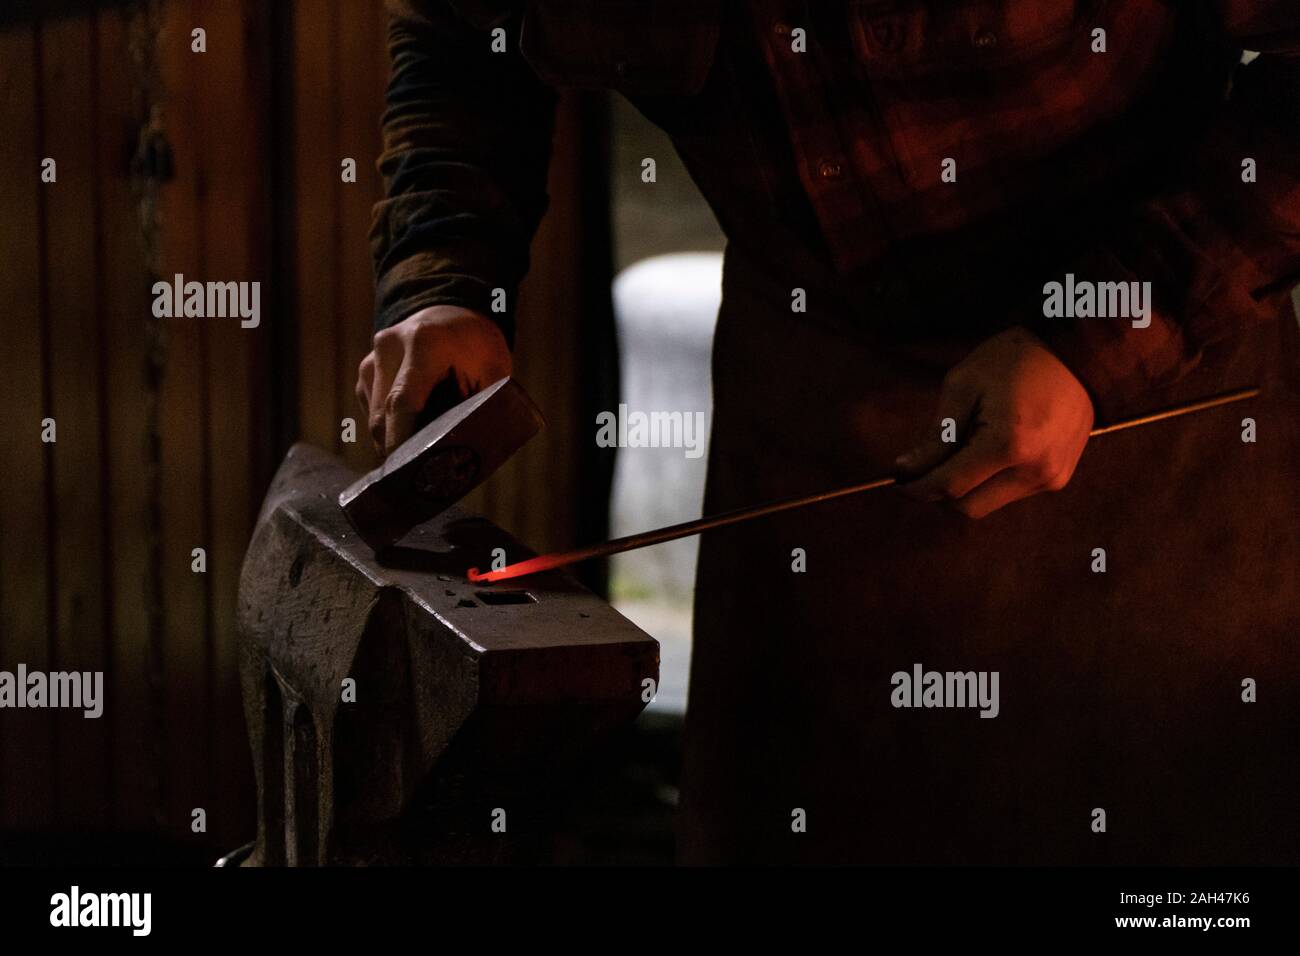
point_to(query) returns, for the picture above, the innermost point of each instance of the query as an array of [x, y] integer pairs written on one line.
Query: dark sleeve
[[1221, 254], [467, 135]]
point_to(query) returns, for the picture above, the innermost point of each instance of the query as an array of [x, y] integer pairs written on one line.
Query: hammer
[[441, 463]]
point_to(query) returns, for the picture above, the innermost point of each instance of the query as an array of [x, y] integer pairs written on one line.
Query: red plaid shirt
[[1093, 137]]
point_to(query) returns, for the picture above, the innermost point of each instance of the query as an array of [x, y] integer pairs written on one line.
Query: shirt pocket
[[899, 40], [651, 47], [995, 83]]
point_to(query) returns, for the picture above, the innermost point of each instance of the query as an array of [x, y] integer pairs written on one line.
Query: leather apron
[[1119, 691]]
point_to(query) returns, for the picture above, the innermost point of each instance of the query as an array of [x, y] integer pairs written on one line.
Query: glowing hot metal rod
[[546, 562]]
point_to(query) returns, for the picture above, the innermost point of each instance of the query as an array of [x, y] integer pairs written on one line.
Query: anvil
[[395, 707]]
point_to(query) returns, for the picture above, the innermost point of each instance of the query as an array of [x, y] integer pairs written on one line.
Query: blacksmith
[[925, 171]]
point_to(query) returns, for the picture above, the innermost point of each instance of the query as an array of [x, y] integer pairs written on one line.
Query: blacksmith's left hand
[[1021, 422]]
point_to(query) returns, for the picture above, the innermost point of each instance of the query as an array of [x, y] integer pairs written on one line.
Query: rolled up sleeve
[[467, 136]]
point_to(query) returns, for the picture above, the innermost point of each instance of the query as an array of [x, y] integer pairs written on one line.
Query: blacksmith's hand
[[419, 353], [1020, 421]]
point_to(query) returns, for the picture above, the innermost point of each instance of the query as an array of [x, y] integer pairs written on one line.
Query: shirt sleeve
[[1220, 242], [466, 146]]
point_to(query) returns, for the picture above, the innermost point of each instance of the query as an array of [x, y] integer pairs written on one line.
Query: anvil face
[[365, 678], [441, 463]]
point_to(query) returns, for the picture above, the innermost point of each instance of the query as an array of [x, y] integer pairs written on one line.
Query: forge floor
[[620, 813]]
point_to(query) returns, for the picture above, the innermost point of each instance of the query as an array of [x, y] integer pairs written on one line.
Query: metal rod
[[557, 559]]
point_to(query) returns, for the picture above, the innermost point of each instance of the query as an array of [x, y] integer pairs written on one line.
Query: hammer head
[[441, 463]]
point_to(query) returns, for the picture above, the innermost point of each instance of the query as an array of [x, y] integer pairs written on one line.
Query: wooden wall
[[161, 443], [168, 429]]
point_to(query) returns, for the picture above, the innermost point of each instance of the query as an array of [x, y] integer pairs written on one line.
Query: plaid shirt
[[911, 158]]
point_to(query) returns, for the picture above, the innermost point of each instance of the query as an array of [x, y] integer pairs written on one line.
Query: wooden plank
[[360, 106], [132, 478], [315, 160], [68, 62], [26, 773], [188, 622], [230, 99]]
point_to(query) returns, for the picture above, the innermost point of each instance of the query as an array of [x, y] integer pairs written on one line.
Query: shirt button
[[986, 40], [886, 36], [829, 169]]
